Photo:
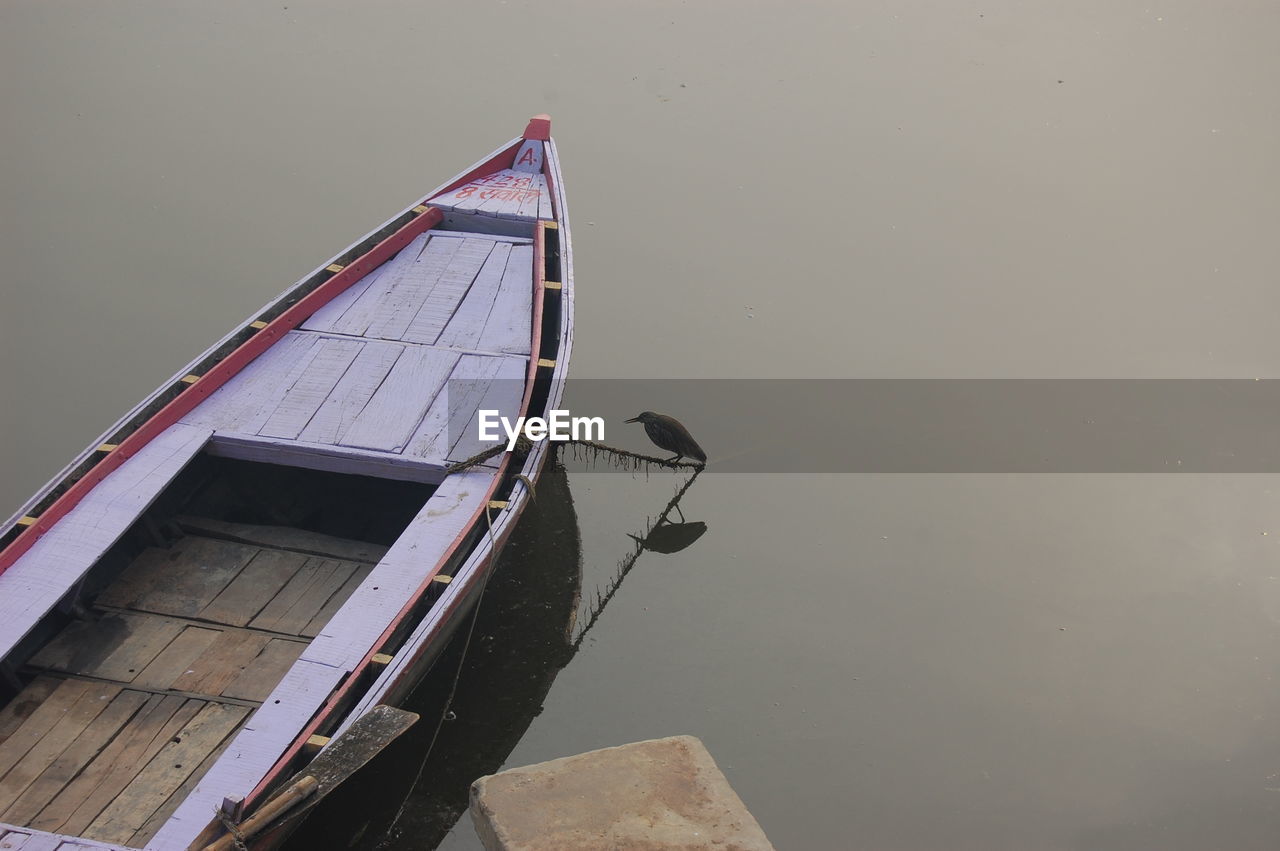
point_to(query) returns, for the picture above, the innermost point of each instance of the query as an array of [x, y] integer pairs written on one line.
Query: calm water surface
[[861, 189]]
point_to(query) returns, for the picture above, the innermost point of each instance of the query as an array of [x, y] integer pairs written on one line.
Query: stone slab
[[659, 794]]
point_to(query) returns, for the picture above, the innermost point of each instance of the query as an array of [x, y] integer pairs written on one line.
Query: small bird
[[669, 434]]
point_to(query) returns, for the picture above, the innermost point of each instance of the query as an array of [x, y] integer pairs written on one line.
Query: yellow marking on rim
[[382, 658], [317, 741], [498, 503], [546, 362], [26, 520], [107, 447], [550, 225], [258, 323], [334, 267], [553, 285], [442, 579], [190, 379], [421, 208]]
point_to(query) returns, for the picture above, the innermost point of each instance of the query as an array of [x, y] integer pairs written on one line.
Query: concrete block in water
[[660, 794]]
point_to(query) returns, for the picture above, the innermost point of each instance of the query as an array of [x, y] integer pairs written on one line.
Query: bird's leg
[[674, 459], [678, 511]]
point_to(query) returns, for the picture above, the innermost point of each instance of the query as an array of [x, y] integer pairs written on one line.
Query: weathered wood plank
[[328, 575], [170, 767], [18, 710], [257, 386], [254, 587], [72, 722], [499, 194], [545, 209], [496, 237], [467, 323], [113, 647], [47, 571], [323, 319], [303, 399], [504, 394], [222, 662], [161, 815], [176, 659], [402, 301], [453, 407], [39, 722], [319, 456], [296, 604], [82, 748], [260, 678], [356, 319], [531, 202], [349, 396], [508, 327], [89, 794], [253, 750], [448, 292], [335, 602], [181, 580], [284, 538], [387, 422]]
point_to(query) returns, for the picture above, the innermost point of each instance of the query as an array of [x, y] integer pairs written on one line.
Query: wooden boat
[[279, 539]]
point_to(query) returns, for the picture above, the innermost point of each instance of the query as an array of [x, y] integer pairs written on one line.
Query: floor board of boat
[[129, 707]]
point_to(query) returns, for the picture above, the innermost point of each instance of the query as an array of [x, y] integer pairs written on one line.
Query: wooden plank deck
[[128, 707], [338, 648], [508, 193], [360, 387]]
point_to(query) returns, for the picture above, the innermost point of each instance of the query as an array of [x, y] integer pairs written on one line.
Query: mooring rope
[[593, 450]]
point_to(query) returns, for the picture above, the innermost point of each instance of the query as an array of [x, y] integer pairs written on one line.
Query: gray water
[[841, 190]]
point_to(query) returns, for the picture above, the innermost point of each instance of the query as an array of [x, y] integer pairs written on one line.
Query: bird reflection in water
[[670, 538]]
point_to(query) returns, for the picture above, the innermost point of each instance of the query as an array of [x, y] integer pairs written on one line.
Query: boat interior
[[178, 634]]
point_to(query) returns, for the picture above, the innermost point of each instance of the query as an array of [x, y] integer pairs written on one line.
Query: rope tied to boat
[[237, 838], [583, 450]]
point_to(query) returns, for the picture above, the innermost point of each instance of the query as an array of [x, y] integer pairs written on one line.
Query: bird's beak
[[633, 420]]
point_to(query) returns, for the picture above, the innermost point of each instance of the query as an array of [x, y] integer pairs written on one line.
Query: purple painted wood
[[406, 295], [14, 838], [323, 319], [319, 456], [246, 397], [448, 292], [462, 234], [435, 435], [349, 396], [357, 317], [503, 393], [389, 418], [467, 323], [507, 328], [43, 574], [500, 194], [317, 381]]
